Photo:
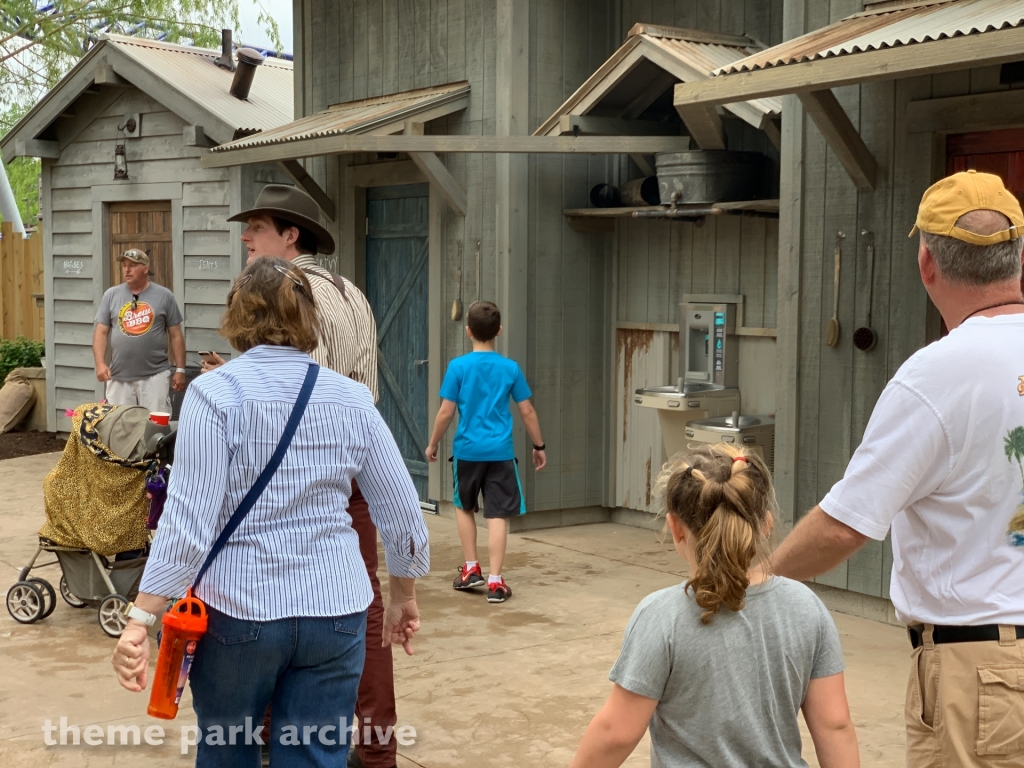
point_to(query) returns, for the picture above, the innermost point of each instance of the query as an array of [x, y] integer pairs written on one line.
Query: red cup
[[160, 419]]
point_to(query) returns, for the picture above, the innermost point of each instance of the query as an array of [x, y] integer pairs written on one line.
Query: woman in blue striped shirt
[[287, 595]]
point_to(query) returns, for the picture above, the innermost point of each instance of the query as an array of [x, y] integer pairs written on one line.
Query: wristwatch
[[134, 612], [540, 447]]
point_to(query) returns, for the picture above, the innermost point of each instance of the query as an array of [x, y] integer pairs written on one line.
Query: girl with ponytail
[[718, 666]]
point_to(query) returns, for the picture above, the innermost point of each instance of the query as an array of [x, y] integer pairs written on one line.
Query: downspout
[[8, 205]]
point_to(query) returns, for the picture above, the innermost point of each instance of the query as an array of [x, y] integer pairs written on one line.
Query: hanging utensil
[[865, 338], [457, 304], [832, 328], [478, 270]]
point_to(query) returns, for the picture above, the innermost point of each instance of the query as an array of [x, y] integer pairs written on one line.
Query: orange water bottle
[[183, 625]]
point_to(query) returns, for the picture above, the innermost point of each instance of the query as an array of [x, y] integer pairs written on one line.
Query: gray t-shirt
[[728, 691], [138, 335]]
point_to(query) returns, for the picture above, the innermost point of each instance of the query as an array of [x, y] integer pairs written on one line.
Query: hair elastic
[[740, 458]]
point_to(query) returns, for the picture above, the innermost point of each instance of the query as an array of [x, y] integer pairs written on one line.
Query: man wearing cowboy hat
[[146, 316], [285, 223]]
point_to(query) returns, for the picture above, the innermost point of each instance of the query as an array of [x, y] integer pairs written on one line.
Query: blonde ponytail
[[725, 498]]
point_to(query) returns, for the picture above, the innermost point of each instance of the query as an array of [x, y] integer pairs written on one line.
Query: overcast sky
[[251, 33]]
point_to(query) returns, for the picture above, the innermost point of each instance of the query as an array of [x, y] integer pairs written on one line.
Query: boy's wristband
[[540, 447]]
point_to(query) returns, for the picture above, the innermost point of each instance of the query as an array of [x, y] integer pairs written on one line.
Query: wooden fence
[[21, 284]]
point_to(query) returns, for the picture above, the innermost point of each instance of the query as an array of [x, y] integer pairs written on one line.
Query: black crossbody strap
[[268, 471]]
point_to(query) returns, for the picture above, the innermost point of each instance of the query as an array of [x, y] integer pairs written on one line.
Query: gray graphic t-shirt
[[138, 330], [728, 691]]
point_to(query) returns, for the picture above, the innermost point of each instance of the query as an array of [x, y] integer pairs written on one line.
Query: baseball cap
[[136, 255], [948, 199]]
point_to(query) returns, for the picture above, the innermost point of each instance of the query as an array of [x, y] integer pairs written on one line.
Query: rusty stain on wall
[[628, 343]]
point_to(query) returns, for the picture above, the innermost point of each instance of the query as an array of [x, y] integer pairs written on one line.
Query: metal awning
[[379, 116], [653, 58], [889, 40]]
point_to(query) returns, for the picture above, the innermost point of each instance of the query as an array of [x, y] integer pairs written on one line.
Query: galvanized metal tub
[[711, 176]]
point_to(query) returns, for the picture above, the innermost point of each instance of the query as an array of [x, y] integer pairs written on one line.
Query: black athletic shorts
[[497, 480]]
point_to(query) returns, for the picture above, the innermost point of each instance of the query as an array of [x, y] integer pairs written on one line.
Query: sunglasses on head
[[283, 270]]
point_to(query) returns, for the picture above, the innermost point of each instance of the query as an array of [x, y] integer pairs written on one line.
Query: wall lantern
[[120, 158]]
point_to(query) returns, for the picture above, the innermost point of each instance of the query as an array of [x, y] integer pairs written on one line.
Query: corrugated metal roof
[[192, 72], [887, 27], [356, 116], [694, 55]]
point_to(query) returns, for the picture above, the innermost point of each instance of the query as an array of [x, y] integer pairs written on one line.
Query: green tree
[[41, 40], [1013, 446]]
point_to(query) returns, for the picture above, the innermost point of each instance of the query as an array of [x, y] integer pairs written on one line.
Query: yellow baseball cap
[[948, 199]]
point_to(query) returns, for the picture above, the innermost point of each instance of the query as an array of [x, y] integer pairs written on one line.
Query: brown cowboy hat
[[294, 206]]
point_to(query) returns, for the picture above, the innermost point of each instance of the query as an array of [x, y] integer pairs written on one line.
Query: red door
[[998, 152]]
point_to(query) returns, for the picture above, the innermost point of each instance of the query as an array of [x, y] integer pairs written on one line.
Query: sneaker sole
[[471, 586], [497, 599]]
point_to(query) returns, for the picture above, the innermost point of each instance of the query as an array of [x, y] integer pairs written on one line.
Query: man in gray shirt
[[146, 316]]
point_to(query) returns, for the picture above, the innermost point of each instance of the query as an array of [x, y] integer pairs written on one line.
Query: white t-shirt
[[942, 462]]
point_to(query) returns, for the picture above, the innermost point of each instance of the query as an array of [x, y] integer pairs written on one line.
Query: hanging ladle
[[865, 338], [832, 328]]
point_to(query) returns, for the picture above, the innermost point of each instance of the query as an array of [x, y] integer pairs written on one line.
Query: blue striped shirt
[[295, 553]]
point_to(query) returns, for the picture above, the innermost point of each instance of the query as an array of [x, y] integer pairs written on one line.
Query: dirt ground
[[490, 686], [15, 444]]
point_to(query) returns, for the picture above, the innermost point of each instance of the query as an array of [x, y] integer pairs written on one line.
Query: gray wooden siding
[[659, 261], [441, 41], [838, 387], [78, 255]]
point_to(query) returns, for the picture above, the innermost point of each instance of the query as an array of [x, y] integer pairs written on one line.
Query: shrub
[[19, 353]]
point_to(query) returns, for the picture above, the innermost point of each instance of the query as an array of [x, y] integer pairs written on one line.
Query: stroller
[[103, 500]]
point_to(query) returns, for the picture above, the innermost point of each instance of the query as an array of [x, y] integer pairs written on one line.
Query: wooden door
[[998, 152], [146, 226], [396, 287]]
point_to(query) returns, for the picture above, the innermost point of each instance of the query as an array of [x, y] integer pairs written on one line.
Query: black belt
[[942, 635]]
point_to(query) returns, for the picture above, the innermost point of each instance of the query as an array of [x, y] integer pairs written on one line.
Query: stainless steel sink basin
[[689, 388]]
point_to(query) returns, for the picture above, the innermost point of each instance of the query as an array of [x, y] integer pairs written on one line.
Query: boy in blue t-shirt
[[479, 385]]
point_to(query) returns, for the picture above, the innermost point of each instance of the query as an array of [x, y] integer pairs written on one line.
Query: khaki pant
[[152, 393], [965, 704]]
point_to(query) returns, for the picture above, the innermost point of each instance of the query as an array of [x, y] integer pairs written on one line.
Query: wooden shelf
[[603, 219]]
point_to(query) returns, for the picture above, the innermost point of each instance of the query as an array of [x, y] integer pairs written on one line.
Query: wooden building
[[453, 144], [880, 99], [583, 301], [165, 103]]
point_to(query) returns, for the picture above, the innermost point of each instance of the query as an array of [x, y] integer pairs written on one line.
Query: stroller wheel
[[111, 615], [69, 598], [25, 602], [48, 594]]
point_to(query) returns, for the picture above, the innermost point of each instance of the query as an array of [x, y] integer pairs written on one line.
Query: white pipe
[[8, 206]]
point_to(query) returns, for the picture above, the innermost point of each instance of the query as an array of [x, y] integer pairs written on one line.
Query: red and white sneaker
[[498, 592], [469, 579]]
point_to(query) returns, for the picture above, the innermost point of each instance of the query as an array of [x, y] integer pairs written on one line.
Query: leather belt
[[942, 635]]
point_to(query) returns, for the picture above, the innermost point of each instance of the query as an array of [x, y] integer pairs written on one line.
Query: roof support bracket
[[436, 172], [841, 135], [37, 148], [773, 129], [302, 179], [704, 124]]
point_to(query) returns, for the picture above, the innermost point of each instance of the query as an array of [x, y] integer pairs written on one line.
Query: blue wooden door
[[396, 286]]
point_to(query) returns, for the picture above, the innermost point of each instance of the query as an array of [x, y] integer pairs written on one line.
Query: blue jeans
[[307, 669]]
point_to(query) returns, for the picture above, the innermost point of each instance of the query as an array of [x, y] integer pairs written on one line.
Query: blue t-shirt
[[480, 384]]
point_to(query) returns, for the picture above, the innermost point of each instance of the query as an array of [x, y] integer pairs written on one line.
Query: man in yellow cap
[[942, 465]]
